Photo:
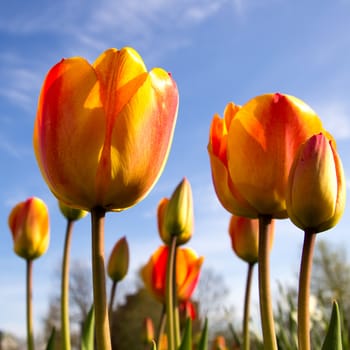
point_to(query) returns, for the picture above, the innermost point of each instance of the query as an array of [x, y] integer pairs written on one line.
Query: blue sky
[[217, 51]]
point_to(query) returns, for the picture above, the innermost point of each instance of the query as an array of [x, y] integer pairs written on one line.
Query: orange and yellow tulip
[[244, 234], [103, 131], [251, 151], [188, 266], [316, 186], [29, 225], [175, 215]]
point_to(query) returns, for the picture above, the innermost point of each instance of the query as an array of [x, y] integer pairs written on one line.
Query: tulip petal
[[228, 196], [69, 131], [141, 141], [188, 266]]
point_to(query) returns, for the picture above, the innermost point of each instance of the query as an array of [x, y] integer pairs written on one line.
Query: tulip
[[103, 131], [252, 149], [175, 215], [315, 203], [118, 262], [147, 331], [117, 268], [219, 343], [102, 135], [188, 266], [29, 225], [244, 234], [316, 186], [71, 214]]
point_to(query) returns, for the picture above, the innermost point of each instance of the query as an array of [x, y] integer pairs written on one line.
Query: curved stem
[[304, 291], [169, 296], [103, 339], [268, 327], [29, 286], [246, 337], [161, 326], [65, 325], [111, 302]]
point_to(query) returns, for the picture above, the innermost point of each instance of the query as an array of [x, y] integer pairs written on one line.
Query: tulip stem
[[304, 290], [266, 312], [103, 339], [161, 326], [111, 302], [65, 325], [29, 282], [246, 337], [170, 297], [176, 304]]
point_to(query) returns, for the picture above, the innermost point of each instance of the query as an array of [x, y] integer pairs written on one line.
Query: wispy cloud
[[336, 117], [19, 82], [14, 151]]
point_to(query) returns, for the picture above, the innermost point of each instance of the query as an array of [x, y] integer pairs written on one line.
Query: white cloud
[[20, 85], [336, 118]]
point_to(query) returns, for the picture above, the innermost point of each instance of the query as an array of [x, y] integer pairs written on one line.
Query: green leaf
[[333, 337], [87, 341], [186, 343], [203, 342], [51, 343]]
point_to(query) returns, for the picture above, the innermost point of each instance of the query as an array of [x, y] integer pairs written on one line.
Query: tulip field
[[102, 135]]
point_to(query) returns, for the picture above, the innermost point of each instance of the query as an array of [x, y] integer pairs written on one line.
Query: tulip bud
[[148, 331], [29, 225], [118, 262], [175, 215], [219, 343], [244, 233], [70, 213], [316, 186]]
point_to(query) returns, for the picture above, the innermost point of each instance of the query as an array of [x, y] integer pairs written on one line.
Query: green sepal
[[51, 342], [333, 337], [87, 340], [186, 343], [203, 341]]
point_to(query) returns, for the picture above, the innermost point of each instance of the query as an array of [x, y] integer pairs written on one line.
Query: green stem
[[266, 312], [176, 304], [103, 339], [161, 326], [304, 291], [65, 325], [29, 283], [111, 302], [169, 296], [246, 337]]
